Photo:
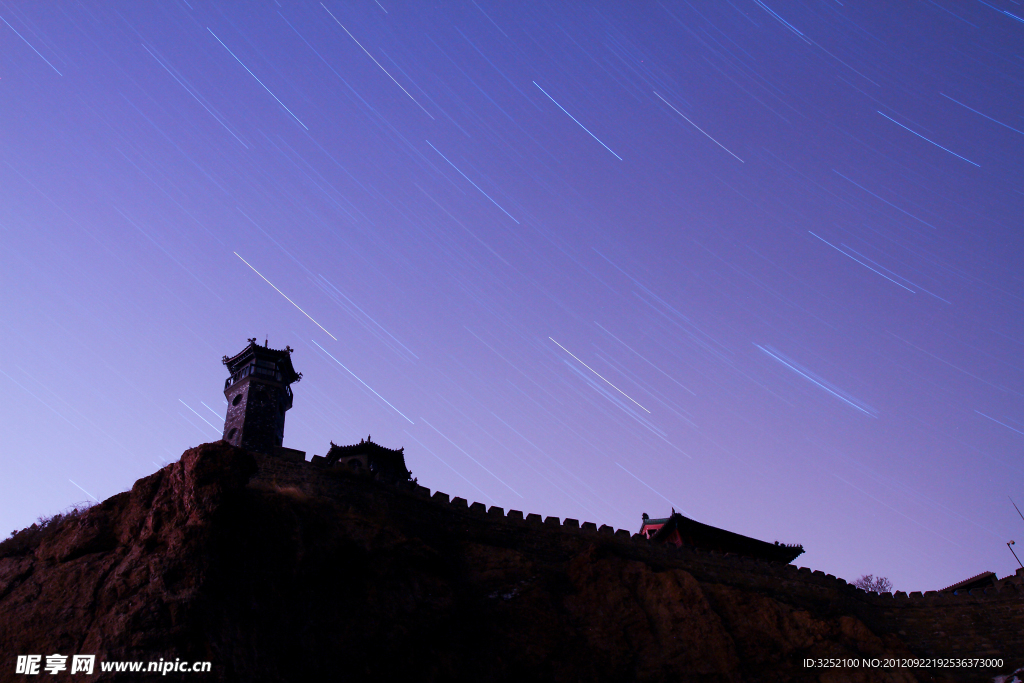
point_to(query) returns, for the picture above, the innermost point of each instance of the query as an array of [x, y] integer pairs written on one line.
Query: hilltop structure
[[385, 464], [682, 531], [980, 581], [244, 554], [261, 565], [258, 394]]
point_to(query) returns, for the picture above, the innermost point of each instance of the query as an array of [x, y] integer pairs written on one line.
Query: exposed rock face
[[127, 576], [304, 574]]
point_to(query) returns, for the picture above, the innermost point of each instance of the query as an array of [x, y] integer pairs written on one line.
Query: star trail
[[779, 243]]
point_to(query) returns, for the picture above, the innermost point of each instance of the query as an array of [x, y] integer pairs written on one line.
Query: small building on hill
[[986, 580], [682, 531], [982, 580], [385, 464]]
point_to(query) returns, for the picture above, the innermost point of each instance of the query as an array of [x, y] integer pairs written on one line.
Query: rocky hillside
[[279, 571]]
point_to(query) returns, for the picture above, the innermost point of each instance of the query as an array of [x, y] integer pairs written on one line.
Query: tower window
[[232, 433], [236, 400]]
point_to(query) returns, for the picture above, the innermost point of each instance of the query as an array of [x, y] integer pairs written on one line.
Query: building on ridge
[[258, 394], [986, 580], [384, 464], [682, 531], [982, 580]]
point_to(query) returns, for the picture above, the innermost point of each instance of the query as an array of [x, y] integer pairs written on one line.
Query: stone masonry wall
[[984, 623]]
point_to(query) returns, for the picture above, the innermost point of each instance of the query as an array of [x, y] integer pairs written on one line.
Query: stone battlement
[[978, 623], [590, 531], [775, 569], [231, 552]]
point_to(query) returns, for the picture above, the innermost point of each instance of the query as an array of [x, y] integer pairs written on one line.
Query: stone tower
[[258, 395]]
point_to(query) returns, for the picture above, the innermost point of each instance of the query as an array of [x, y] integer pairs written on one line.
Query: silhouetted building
[[384, 464], [258, 394], [682, 531], [982, 580]]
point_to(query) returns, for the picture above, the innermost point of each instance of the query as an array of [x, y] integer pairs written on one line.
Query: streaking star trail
[[714, 353]]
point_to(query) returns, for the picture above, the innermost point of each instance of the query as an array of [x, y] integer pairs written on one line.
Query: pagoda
[[258, 394]]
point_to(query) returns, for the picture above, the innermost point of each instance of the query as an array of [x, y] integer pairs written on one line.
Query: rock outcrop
[[280, 571]]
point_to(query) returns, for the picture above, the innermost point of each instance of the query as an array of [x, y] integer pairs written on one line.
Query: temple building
[[982, 580], [383, 464], [986, 580], [258, 394], [682, 531]]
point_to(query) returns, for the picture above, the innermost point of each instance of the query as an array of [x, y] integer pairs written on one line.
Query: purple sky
[[757, 260]]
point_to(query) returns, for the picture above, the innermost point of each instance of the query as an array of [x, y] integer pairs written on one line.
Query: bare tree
[[869, 583]]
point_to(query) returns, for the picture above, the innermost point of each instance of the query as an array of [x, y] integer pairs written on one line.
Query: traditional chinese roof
[[648, 522], [386, 464], [704, 536], [280, 357], [982, 580], [337, 452]]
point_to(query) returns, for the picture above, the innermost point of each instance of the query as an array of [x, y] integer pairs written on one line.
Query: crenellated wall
[[983, 623]]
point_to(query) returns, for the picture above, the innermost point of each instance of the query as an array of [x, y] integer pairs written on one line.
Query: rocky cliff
[[280, 571]]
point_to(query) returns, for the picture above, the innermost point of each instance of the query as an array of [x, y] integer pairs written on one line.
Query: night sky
[[757, 261]]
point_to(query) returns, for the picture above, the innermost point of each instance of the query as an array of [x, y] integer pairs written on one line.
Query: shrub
[[869, 583], [24, 541]]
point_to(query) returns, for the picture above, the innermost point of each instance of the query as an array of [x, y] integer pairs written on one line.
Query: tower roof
[[336, 452], [386, 464], [280, 357], [696, 534], [982, 580]]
